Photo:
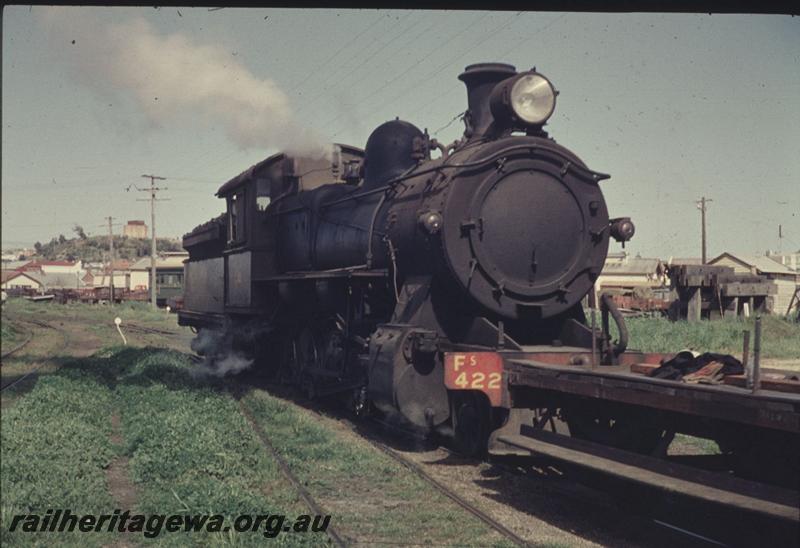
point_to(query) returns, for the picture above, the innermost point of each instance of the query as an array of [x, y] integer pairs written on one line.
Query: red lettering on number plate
[[481, 371]]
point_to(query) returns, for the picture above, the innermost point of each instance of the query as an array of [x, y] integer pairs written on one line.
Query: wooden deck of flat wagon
[[757, 430]]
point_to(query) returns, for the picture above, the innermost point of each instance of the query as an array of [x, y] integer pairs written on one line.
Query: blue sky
[[673, 106]]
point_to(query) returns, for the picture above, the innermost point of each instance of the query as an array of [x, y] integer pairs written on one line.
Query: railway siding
[[376, 499]]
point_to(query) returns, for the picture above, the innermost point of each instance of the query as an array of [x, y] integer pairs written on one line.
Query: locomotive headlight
[[533, 99], [528, 99]]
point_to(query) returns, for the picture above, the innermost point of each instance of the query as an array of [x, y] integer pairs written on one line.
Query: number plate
[[481, 371]]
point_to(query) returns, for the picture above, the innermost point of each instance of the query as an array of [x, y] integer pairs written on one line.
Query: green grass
[[10, 335], [780, 338], [55, 448], [192, 451], [91, 313], [189, 448], [376, 499]]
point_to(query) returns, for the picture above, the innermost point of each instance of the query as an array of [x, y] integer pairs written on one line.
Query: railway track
[[452, 495], [19, 347], [661, 517], [397, 457], [135, 328], [28, 374], [312, 504], [658, 519]]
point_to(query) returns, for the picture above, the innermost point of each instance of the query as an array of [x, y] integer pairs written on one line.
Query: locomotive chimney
[[480, 80]]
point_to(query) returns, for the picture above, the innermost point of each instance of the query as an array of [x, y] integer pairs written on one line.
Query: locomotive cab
[[232, 256]]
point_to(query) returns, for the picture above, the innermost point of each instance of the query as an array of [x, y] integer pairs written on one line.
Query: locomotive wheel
[[471, 416], [288, 358], [308, 354], [627, 434]]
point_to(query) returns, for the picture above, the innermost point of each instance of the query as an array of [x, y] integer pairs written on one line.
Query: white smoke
[[172, 78], [219, 359]]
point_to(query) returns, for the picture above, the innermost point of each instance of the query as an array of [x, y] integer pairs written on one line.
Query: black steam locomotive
[[356, 273]]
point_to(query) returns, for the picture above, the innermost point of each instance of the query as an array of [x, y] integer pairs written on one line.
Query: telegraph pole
[[152, 190], [701, 205], [111, 258]]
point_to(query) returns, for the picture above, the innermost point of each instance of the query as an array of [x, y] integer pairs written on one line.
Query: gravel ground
[[538, 503]]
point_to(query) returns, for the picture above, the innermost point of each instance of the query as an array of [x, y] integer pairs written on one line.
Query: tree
[[78, 229], [38, 247], [61, 239]]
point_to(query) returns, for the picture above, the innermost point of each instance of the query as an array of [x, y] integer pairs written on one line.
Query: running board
[[710, 487]]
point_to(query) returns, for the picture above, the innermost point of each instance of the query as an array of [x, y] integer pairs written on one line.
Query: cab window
[[262, 194], [236, 217]]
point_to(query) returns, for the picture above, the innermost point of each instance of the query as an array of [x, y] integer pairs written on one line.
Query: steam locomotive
[[444, 284]]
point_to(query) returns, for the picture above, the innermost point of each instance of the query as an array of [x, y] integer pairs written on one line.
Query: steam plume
[[219, 359], [170, 77]]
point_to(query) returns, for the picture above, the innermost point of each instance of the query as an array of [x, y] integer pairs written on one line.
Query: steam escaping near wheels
[[219, 357]]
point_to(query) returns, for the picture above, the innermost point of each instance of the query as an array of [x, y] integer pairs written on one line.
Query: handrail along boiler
[[443, 284]]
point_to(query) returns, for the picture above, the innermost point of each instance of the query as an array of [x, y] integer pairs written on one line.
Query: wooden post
[[746, 357], [757, 356], [695, 305]]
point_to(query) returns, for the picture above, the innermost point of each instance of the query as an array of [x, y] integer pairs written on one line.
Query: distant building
[[14, 279], [683, 260], [101, 277], [784, 278], [42, 281], [13, 265], [789, 260], [625, 273], [135, 229], [52, 267], [169, 274]]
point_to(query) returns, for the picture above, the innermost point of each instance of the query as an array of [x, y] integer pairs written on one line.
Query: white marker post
[[117, 322]]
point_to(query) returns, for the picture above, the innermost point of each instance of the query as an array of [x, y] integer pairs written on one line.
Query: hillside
[[95, 248]]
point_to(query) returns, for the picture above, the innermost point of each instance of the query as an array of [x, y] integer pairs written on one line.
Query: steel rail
[[379, 427], [35, 369], [416, 469], [500, 462], [19, 347], [452, 495], [287, 473], [148, 330]]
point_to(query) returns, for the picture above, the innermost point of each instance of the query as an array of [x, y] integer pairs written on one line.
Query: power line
[[415, 64], [494, 32], [380, 88], [342, 80], [338, 51], [497, 30]]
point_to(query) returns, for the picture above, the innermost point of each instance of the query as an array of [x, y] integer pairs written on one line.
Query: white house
[[15, 279]]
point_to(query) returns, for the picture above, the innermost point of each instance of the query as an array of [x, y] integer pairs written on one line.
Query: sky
[[672, 106]]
